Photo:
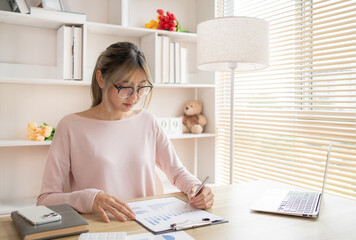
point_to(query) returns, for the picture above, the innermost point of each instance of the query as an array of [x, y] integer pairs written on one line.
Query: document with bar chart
[[169, 214]]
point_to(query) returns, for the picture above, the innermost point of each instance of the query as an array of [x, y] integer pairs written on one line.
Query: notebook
[[293, 202], [71, 223]]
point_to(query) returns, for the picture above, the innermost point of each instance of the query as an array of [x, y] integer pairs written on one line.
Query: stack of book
[[167, 58], [172, 58], [69, 52], [70, 223]]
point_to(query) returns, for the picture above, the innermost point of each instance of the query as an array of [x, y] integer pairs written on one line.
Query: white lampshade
[[240, 40], [233, 44]]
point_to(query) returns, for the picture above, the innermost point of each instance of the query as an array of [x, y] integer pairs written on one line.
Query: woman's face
[[119, 98]]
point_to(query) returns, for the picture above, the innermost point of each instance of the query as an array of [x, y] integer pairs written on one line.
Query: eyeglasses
[[126, 92]]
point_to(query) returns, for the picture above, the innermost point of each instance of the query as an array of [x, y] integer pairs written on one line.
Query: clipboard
[[164, 215]]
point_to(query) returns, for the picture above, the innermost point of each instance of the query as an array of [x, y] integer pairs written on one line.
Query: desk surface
[[337, 219]]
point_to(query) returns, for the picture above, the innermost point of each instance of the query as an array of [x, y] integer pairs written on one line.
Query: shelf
[[184, 85], [42, 81], [191, 135], [92, 27], [21, 143], [117, 30], [178, 36], [33, 21]]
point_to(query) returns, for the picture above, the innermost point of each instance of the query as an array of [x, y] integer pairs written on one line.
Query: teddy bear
[[193, 120]]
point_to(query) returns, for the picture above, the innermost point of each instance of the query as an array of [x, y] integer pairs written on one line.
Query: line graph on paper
[[159, 214]]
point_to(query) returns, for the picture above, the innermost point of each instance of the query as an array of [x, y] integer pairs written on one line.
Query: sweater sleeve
[[57, 171], [168, 161]]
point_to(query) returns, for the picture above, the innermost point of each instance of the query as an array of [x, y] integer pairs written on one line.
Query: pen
[[199, 189]]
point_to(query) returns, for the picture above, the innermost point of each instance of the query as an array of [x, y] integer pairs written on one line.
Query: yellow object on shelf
[[39, 133]]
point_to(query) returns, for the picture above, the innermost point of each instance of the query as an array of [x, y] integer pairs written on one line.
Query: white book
[[183, 65], [64, 16], [171, 63], [158, 62], [177, 63], [77, 53], [148, 47], [64, 52], [165, 59]]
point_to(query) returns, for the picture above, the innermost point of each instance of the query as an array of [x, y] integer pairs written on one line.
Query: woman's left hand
[[204, 200]]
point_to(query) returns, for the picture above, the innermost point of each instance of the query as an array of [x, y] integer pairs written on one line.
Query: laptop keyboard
[[298, 202]]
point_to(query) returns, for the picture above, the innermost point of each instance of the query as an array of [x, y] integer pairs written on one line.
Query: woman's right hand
[[104, 203]]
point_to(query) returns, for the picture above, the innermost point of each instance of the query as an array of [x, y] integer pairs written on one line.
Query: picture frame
[[5, 6], [19, 6], [53, 5]]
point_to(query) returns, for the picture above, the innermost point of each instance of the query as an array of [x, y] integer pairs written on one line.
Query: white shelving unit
[[30, 90], [39, 81], [20, 143]]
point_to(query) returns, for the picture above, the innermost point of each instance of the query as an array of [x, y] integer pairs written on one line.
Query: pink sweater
[[117, 157]]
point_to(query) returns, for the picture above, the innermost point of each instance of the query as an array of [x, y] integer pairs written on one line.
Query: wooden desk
[[337, 219]]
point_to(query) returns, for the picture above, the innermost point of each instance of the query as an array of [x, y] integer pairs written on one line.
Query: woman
[[110, 151]]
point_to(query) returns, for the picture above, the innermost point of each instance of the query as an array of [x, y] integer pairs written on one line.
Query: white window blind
[[287, 114]]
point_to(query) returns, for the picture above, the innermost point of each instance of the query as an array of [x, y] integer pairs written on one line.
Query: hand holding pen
[[201, 197]]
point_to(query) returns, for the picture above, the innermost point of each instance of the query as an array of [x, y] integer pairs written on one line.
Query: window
[[287, 114]]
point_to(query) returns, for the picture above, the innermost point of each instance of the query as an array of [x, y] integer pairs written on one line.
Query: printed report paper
[[166, 236], [159, 214]]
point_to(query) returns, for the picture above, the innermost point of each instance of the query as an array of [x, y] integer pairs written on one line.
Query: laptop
[[293, 202]]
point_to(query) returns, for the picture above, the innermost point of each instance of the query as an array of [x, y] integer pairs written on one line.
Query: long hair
[[118, 63]]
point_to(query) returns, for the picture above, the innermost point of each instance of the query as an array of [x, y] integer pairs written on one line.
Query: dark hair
[[117, 63]]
